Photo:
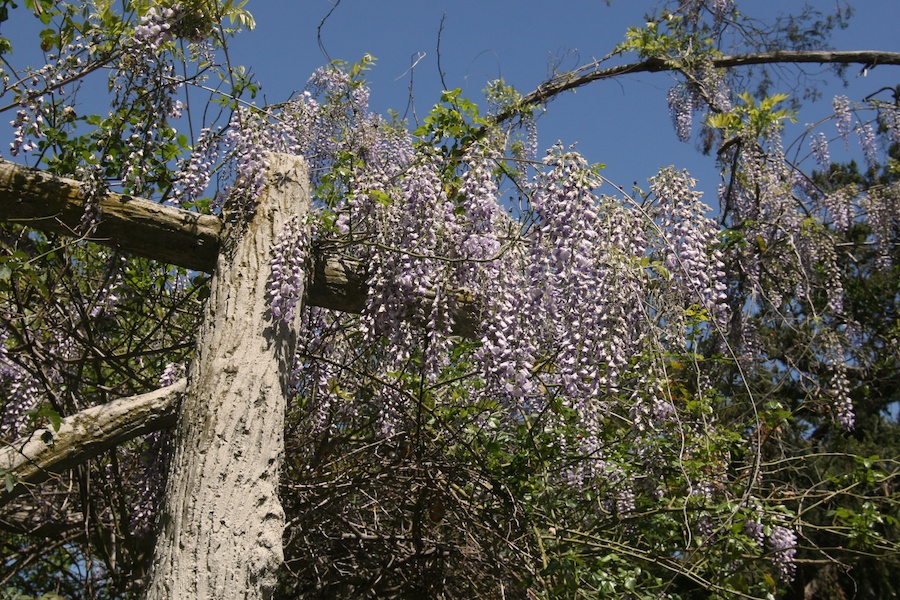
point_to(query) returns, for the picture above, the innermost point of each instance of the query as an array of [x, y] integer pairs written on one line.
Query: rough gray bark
[[221, 524], [45, 452]]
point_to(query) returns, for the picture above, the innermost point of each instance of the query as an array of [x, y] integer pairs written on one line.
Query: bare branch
[[592, 72]]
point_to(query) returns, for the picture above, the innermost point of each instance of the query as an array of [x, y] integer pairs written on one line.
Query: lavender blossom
[[288, 270], [755, 531], [155, 29], [868, 144], [194, 174], [681, 108], [29, 126], [838, 205], [843, 405], [891, 116], [844, 117], [720, 10], [172, 373], [819, 144], [690, 242], [250, 140], [782, 542]]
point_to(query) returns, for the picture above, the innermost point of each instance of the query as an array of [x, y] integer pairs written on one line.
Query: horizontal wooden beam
[[37, 457], [55, 204], [36, 199]]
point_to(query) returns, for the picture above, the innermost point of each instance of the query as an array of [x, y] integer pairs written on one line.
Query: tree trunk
[[221, 525]]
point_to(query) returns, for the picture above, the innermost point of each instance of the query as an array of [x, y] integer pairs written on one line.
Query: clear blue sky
[[623, 123]]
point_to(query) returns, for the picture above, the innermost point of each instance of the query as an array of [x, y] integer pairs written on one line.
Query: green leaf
[[49, 39]]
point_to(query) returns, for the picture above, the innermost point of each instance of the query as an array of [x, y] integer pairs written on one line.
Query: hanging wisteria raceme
[[839, 205], [590, 320], [782, 542], [28, 126], [21, 393], [195, 172], [882, 208], [682, 104], [843, 117], [493, 267], [819, 144], [891, 118], [689, 239], [868, 144], [289, 264]]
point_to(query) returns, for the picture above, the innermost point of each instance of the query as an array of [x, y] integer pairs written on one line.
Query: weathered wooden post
[[221, 525]]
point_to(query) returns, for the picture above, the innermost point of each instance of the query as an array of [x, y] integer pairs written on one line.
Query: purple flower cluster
[[171, 373], [882, 209], [819, 144], [843, 405], [508, 346], [155, 29], [93, 188], [891, 116], [250, 140], [843, 116], [782, 543], [194, 173], [330, 119], [839, 206], [34, 114], [755, 531], [20, 393], [28, 124], [868, 144], [650, 406], [409, 279], [571, 272], [682, 104], [689, 240], [289, 260], [720, 10]]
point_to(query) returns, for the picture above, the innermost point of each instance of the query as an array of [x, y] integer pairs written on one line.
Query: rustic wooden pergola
[[221, 501]]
